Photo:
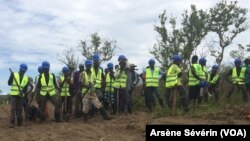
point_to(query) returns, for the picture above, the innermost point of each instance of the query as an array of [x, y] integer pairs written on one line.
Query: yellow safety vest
[[214, 80], [65, 87], [97, 77], [121, 81], [203, 73], [192, 81], [47, 88], [152, 79], [14, 87], [171, 78], [109, 83], [241, 79], [87, 80]]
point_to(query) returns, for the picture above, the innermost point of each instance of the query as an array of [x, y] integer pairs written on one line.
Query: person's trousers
[[16, 109]]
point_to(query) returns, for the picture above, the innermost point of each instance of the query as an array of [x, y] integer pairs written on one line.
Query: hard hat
[[215, 67], [65, 69], [81, 65], [40, 68], [88, 62], [110, 65], [237, 61], [96, 57], [23, 67], [151, 61], [46, 65], [176, 57], [121, 57], [202, 60]]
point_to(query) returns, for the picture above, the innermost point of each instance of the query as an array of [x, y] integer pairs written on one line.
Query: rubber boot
[[19, 122], [85, 117], [11, 124], [104, 114]]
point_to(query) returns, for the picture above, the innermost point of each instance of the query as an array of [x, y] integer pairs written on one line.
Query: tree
[[104, 47], [241, 52], [227, 21], [69, 59], [182, 41], [168, 43], [194, 28]]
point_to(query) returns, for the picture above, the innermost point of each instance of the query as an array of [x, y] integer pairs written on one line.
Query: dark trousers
[[78, 104], [54, 100], [26, 107], [16, 109], [181, 90], [194, 93], [241, 88], [124, 104], [66, 104], [149, 97]]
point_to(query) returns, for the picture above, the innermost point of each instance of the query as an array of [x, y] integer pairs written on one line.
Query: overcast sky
[[32, 31]]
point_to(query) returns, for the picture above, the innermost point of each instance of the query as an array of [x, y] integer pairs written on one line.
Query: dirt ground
[[120, 128]]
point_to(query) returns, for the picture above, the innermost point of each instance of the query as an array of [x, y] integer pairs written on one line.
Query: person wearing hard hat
[[65, 84], [19, 83], [109, 97], [78, 97], [87, 84], [194, 79], [120, 85], [47, 87], [203, 75], [152, 74], [237, 75], [213, 80], [173, 83]]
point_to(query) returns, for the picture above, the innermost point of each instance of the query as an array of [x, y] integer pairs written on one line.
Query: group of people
[[93, 89]]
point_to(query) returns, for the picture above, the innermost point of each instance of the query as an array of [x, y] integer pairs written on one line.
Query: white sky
[[32, 31]]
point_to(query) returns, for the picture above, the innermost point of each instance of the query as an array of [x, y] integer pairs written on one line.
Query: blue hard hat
[[23, 67], [215, 67], [88, 62], [176, 57], [151, 61], [202, 60], [65, 69], [40, 68], [45, 65], [121, 57], [237, 61], [110, 65], [96, 57]]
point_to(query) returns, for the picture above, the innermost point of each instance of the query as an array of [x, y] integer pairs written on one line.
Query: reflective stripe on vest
[[241, 79], [121, 81], [171, 78], [65, 87], [97, 77], [47, 88], [192, 81], [14, 88], [203, 73], [87, 80], [109, 83], [214, 80], [152, 79]]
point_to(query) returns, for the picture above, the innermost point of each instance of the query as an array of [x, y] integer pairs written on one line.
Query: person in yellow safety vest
[[173, 83], [87, 84], [152, 83], [194, 80], [65, 84], [19, 83], [109, 98], [213, 80], [237, 75], [47, 87], [120, 86], [204, 76]]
